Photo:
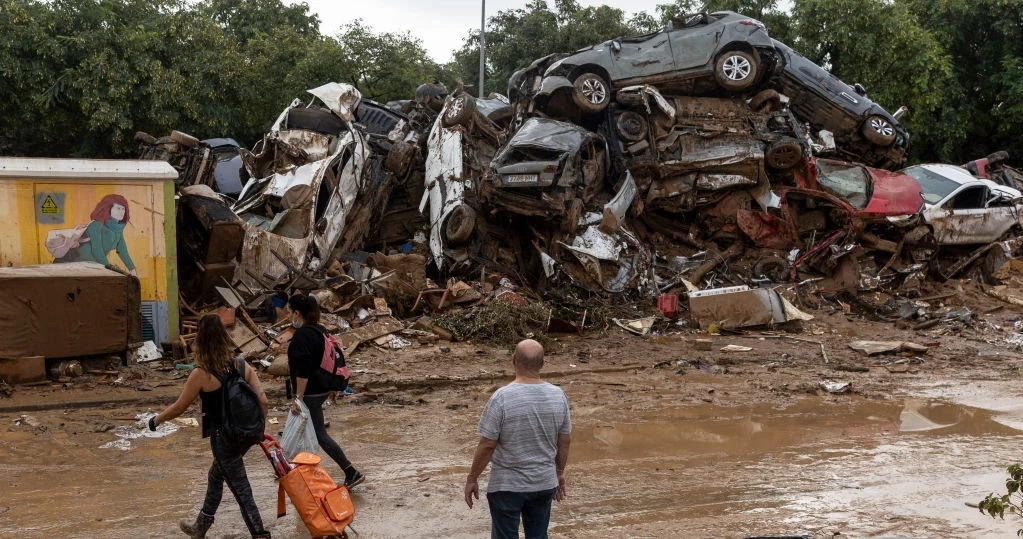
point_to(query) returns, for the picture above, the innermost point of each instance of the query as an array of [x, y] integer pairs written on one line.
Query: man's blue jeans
[[534, 508]]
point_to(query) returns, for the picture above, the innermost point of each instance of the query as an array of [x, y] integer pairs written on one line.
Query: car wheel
[[459, 225], [735, 71], [878, 130], [313, 119], [631, 126], [784, 154], [591, 93], [459, 111], [765, 101], [184, 139]]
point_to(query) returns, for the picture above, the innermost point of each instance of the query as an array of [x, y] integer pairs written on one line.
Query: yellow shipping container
[[119, 213]]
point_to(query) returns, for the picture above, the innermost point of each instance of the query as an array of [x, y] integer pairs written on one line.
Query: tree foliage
[[80, 77]]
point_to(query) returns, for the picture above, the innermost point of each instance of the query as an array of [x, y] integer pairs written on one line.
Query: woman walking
[[214, 361], [304, 355]]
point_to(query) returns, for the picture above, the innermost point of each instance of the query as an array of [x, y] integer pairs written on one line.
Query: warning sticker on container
[[50, 208]]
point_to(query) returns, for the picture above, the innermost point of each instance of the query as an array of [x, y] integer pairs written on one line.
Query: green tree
[[245, 19], [980, 107]]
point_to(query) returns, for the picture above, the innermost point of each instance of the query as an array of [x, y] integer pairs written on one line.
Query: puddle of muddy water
[[863, 467]]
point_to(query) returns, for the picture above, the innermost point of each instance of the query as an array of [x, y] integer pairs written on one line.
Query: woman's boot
[[197, 529]]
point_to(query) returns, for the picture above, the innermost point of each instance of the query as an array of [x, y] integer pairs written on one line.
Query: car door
[[964, 218], [641, 56], [694, 45]]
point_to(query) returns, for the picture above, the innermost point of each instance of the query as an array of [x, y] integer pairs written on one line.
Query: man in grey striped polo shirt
[[524, 433]]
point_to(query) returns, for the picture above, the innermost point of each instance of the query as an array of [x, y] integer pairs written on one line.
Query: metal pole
[[483, 42]]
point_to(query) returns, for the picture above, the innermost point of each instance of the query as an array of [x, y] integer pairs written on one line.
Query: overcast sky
[[440, 24]]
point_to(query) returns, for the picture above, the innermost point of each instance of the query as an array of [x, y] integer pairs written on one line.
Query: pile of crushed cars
[[700, 156]]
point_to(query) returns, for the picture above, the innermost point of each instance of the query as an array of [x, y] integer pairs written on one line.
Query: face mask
[[296, 324]]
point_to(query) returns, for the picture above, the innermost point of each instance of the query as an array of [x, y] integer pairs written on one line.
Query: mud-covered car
[[548, 168], [304, 178], [833, 204], [688, 151], [873, 193], [963, 210], [462, 140], [706, 52], [863, 130]]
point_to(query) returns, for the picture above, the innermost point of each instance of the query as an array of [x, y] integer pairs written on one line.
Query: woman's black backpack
[[242, 418]]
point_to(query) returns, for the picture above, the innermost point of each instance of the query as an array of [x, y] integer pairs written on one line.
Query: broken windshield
[[847, 182], [933, 186]]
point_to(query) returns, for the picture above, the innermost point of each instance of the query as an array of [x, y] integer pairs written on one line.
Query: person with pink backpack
[[312, 387]]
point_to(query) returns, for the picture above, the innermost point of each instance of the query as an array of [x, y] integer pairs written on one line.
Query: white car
[[962, 209]]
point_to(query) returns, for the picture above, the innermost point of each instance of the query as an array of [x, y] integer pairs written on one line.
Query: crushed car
[[303, 179], [709, 51], [548, 169]]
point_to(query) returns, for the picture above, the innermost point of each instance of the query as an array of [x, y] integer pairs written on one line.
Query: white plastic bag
[[299, 434]]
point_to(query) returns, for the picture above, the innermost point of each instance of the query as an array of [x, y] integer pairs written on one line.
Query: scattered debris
[[882, 347]]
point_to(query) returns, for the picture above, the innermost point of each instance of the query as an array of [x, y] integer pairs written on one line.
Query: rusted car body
[[720, 50], [688, 152], [963, 210], [305, 176], [863, 130]]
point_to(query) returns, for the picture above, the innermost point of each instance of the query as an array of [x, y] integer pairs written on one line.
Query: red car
[[832, 200]]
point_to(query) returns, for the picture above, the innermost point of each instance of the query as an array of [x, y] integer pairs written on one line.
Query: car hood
[[550, 135], [894, 194]]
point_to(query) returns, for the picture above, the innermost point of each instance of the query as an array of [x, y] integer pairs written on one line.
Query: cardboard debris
[[639, 326], [880, 347], [735, 348]]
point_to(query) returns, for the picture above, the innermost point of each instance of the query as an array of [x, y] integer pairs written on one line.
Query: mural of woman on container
[[104, 234]]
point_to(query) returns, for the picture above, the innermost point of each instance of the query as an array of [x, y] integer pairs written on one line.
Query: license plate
[[521, 178]]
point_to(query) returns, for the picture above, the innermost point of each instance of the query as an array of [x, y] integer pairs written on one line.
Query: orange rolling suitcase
[[325, 508]]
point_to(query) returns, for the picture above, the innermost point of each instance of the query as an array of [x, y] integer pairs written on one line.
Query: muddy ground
[[668, 441]]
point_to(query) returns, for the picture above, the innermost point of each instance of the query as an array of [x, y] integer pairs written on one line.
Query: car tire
[[144, 138], [736, 71], [184, 139], [784, 153], [459, 225], [459, 111], [878, 130], [591, 93], [631, 126], [765, 101], [312, 119]]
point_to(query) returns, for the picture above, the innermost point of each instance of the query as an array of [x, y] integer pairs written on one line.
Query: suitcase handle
[[267, 444]]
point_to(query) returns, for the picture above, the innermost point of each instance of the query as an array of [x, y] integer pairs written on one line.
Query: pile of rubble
[[695, 159]]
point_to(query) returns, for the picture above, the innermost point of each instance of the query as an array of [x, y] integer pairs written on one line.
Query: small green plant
[[996, 505]]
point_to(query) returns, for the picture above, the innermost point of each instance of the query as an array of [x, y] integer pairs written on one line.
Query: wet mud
[[667, 442]]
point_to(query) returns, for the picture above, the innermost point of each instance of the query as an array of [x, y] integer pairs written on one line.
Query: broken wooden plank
[[352, 339]]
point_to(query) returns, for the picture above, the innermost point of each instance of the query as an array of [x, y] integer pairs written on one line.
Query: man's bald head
[[529, 355]]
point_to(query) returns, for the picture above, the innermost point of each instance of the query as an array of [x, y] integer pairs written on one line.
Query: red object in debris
[[511, 297], [668, 304]]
